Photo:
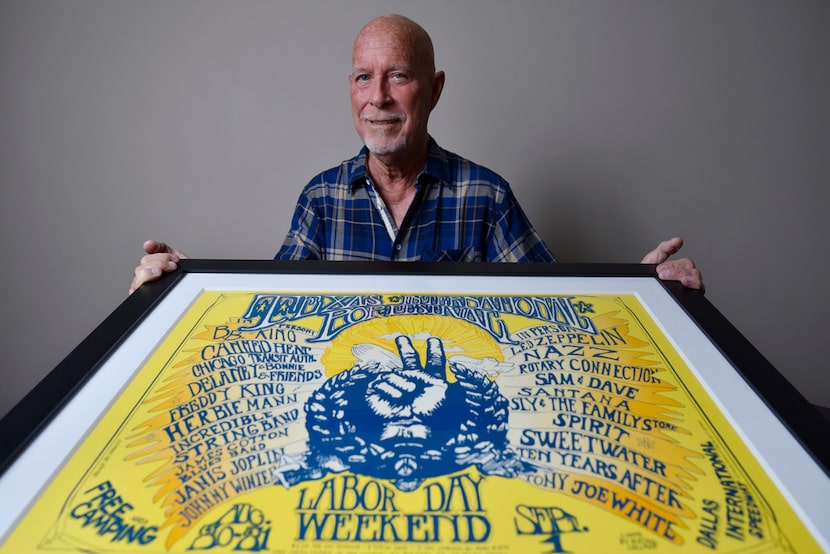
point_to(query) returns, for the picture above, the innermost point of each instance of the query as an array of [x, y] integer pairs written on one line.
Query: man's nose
[[380, 92]]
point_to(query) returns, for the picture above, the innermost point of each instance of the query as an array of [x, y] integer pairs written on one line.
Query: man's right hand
[[160, 259]]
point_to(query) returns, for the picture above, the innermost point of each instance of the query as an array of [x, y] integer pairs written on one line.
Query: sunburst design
[[459, 337]]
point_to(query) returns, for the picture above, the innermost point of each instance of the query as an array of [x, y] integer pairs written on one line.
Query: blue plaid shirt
[[461, 212]]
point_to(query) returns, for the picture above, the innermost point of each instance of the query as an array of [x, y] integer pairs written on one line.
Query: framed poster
[[348, 407]]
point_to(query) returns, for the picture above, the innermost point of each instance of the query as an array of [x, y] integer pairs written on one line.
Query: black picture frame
[[50, 397]]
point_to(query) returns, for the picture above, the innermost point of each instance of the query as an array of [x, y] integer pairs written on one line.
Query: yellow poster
[[412, 423]]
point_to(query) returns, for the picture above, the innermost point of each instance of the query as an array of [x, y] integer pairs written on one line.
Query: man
[[404, 198]]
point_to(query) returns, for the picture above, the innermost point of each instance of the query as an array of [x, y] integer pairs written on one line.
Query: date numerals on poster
[[242, 528]]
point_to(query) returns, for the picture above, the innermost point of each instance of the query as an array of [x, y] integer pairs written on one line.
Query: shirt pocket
[[469, 254]]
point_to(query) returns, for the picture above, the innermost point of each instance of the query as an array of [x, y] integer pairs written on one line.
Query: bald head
[[394, 87], [407, 35]]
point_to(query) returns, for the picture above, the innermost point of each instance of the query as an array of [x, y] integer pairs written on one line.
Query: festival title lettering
[[342, 312]]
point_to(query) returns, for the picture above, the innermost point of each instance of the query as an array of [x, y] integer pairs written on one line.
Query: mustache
[[383, 116]]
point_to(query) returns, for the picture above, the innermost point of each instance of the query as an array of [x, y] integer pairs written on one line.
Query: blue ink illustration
[[396, 418]]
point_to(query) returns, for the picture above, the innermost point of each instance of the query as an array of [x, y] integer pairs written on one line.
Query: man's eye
[[398, 76], [362, 78]]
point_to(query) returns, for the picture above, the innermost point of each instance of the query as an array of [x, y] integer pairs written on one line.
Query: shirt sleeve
[[303, 241], [513, 237]]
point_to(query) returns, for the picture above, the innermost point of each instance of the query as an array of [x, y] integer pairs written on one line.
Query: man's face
[[392, 93]]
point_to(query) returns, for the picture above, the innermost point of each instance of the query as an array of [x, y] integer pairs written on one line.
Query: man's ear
[[437, 87]]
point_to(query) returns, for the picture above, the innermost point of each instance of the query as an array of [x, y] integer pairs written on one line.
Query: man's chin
[[385, 147]]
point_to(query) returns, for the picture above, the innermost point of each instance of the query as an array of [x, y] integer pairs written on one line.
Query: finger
[[663, 251], [151, 268], [158, 247], [143, 275], [409, 356], [436, 359], [693, 280], [158, 263], [682, 270], [680, 265], [395, 385], [136, 282], [155, 247]]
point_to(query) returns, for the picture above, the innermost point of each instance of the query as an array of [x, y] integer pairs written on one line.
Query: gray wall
[[618, 123]]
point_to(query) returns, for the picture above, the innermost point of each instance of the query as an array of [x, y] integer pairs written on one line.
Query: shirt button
[[398, 247]]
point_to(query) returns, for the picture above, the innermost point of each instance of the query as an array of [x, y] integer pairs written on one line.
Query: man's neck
[[394, 177]]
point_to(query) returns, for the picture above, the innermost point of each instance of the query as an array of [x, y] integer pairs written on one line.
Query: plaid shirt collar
[[435, 171]]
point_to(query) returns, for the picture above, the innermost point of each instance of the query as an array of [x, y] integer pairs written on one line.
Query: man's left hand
[[682, 270]]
